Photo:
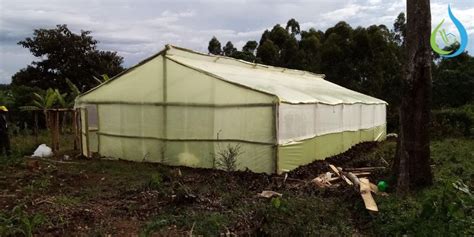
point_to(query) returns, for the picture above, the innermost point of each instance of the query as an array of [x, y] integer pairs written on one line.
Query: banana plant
[[51, 98], [43, 101]]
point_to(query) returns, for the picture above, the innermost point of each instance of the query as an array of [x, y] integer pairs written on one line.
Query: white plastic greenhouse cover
[[179, 107], [291, 86]]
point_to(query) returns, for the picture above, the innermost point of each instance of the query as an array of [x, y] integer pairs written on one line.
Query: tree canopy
[[64, 54]]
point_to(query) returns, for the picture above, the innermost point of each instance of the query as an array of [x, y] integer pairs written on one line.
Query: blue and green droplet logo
[[449, 38]]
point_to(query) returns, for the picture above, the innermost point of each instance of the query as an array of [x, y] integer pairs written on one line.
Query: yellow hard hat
[[3, 108]]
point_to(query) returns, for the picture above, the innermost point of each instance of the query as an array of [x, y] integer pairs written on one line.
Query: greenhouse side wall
[[309, 132]]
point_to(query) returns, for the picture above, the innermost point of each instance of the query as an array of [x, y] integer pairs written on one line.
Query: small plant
[[226, 159], [155, 182], [18, 222]]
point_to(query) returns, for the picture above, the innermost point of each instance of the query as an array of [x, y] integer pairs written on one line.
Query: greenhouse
[[184, 108]]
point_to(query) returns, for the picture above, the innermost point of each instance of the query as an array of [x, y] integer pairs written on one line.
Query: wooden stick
[[338, 171], [361, 173], [364, 168], [354, 179]]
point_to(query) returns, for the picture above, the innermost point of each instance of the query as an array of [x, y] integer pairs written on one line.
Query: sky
[[137, 29]]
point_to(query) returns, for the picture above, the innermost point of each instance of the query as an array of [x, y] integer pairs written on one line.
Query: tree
[[268, 53], [453, 81], [64, 54], [400, 28], [229, 49], [293, 27], [214, 46], [250, 46], [279, 36], [246, 56], [412, 162]]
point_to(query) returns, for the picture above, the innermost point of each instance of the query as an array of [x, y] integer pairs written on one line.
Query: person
[[4, 137]]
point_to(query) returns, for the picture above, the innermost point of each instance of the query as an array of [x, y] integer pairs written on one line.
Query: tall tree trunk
[[413, 153]]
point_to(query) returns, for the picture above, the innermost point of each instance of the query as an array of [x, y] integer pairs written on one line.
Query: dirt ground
[[120, 198]]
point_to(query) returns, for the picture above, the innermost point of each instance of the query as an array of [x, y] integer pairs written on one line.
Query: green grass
[[442, 209], [211, 203]]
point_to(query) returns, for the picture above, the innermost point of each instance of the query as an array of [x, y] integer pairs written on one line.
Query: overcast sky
[[137, 29]]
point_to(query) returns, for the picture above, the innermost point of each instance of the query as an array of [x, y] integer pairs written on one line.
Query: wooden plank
[[374, 188], [366, 195]]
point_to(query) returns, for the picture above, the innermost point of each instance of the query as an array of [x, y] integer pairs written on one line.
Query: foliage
[[155, 182], [18, 222], [229, 49], [451, 122], [65, 54], [446, 208], [295, 216], [214, 46], [226, 159], [250, 47], [202, 224], [44, 101], [442, 212], [453, 81]]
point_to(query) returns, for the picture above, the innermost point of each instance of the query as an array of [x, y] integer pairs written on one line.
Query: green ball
[[382, 186]]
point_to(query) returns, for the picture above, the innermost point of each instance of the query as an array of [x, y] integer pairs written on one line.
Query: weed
[[202, 224], [155, 182], [226, 159], [65, 200], [19, 222]]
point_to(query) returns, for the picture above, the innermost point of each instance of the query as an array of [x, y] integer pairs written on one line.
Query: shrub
[[451, 122]]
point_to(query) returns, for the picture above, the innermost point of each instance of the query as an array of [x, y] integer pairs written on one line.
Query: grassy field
[[101, 197]]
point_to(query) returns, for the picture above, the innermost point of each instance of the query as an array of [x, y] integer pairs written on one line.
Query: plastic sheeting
[[303, 121], [183, 108], [295, 154], [291, 86]]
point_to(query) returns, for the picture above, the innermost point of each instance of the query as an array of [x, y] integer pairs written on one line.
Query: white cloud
[[139, 28]]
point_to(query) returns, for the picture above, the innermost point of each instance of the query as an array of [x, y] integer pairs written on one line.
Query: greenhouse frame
[[184, 108]]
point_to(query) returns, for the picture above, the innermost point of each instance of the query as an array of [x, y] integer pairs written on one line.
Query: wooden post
[[74, 127], [36, 126], [50, 124], [86, 120], [57, 127]]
